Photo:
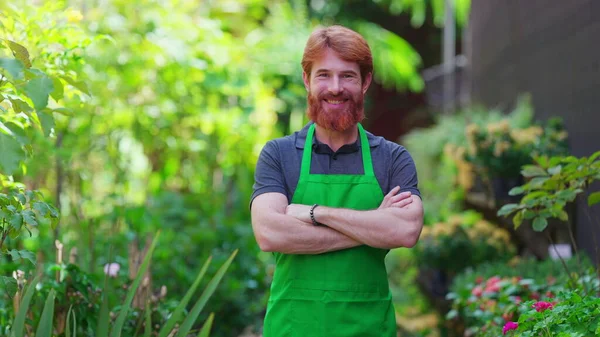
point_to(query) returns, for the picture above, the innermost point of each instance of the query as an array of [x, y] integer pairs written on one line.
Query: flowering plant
[[498, 148], [466, 235], [524, 305]]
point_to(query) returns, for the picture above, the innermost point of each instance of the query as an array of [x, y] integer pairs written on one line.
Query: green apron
[[337, 294]]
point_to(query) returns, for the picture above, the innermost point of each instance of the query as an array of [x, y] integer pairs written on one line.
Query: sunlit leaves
[[38, 90], [395, 62], [12, 67], [12, 154], [19, 52]]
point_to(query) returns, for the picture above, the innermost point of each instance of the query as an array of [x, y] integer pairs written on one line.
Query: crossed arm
[[279, 227]]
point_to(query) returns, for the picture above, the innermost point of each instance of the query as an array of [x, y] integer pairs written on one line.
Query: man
[[319, 203]]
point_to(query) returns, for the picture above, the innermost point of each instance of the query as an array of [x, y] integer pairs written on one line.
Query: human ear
[[306, 79], [367, 82]]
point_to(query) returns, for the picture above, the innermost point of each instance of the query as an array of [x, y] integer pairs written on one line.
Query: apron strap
[[307, 152], [366, 151], [364, 144]]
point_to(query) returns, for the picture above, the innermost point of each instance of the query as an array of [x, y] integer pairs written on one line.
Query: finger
[[400, 196], [393, 192], [402, 203]]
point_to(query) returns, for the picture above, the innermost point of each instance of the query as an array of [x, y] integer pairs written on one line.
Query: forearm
[[285, 234], [381, 228]]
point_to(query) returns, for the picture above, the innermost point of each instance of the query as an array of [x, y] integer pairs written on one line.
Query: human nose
[[335, 86]]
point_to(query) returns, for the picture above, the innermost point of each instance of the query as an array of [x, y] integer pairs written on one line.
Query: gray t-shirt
[[278, 167]]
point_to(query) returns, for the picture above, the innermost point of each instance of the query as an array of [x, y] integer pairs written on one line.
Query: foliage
[[552, 183], [23, 210], [573, 315], [402, 266], [134, 117], [436, 170], [498, 149], [417, 9], [86, 308], [491, 295], [466, 235]]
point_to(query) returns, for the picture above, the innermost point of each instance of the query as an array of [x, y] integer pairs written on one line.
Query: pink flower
[[541, 306], [509, 326], [112, 269], [492, 288], [518, 299], [477, 291]]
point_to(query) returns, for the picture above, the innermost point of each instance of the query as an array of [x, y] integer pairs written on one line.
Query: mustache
[[328, 96]]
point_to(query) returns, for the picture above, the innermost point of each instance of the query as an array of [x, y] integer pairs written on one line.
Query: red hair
[[348, 44]]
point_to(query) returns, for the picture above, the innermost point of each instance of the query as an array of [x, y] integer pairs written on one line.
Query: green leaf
[[555, 170], [47, 121], [38, 89], [507, 209], [13, 67], [118, 326], [542, 161], [540, 223], [518, 219], [516, 190], [12, 154], [14, 254], [64, 111], [168, 326], [29, 217], [69, 320], [148, 323], [593, 198], [533, 171], [538, 182], [568, 195], [16, 221], [82, 86], [593, 157], [59, 90], [19, 105], [9, 285], [208, 291], [19, 52], [41, 208], [562, 215], [18, 132], [18, 327], [103, 317], [205, 331], [452, 314], [25, 254], [45, 326]]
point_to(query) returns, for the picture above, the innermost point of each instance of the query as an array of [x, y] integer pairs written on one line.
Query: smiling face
[[335, 92]]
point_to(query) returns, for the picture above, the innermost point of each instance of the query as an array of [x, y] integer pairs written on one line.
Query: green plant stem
[[579, 266], [545, 326], [4, 235], [561, 259], [589, 216]]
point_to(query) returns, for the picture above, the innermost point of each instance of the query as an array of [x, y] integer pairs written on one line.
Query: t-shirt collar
[[301, 138]]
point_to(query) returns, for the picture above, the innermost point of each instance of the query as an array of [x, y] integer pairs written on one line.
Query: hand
[[300, 212], [393, 199]]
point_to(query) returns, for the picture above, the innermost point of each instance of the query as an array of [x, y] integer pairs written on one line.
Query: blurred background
[[123, 119]]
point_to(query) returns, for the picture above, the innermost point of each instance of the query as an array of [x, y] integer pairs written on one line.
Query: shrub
[[464, 235]]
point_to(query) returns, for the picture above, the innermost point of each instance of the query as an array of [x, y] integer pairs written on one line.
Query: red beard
[[340, 119]]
